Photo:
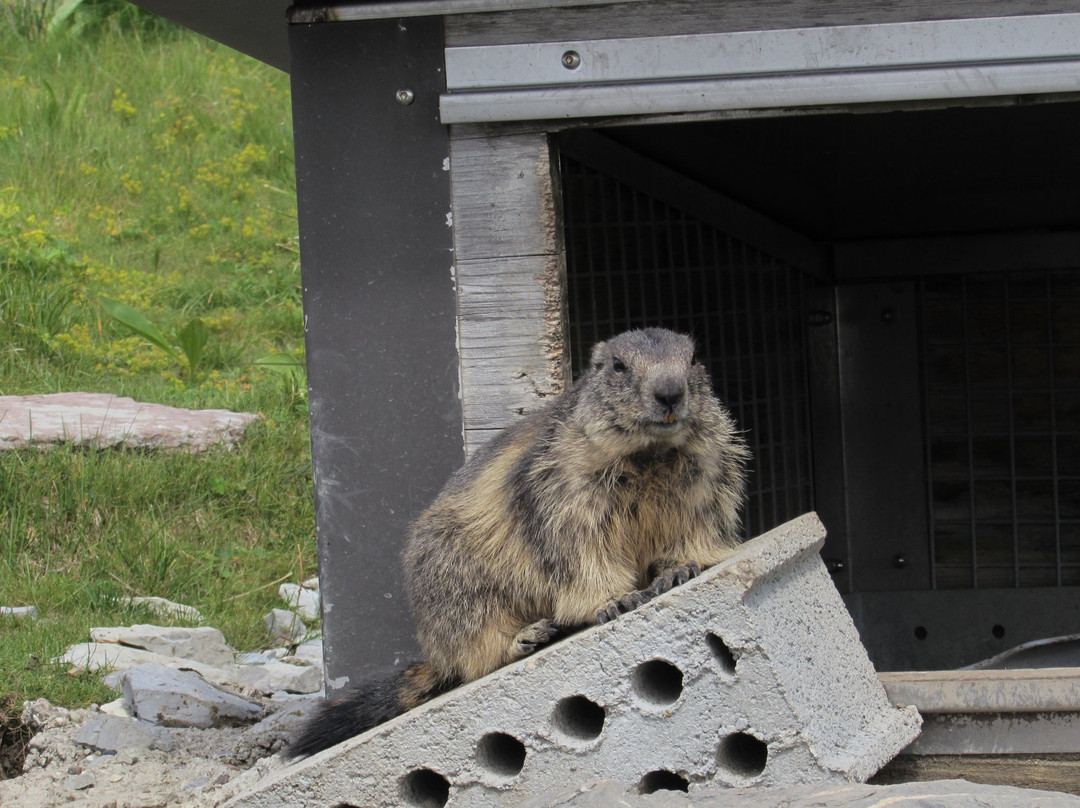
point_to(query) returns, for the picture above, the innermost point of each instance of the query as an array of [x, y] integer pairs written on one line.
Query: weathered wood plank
[[512, 337], [670, 17], [511, 278], [503, 196]]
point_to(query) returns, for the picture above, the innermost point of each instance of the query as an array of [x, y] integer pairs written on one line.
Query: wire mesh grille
[[633, 261], [1001, 364]]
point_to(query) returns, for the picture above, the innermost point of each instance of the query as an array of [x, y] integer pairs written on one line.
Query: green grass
[[144, 164]]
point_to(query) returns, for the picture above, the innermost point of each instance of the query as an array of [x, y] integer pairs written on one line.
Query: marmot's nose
[[669, 396]]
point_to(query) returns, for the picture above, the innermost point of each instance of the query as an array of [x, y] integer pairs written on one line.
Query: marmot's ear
[[596, 359]]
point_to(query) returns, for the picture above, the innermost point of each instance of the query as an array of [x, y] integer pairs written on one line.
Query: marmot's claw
[[686, 572], [662, 583], [624, 604], [608, 613], [533, 636]]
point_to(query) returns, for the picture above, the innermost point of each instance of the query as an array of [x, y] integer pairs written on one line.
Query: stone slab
[[936, 794], [295, 676], [751, 675], [203, 644], [101, 420], [179, 698], [110, 733]]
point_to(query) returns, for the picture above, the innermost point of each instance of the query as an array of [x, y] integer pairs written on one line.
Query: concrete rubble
[[193, 717], [102, 420]]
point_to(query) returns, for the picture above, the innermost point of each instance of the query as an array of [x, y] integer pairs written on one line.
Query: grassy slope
[[151, 166]]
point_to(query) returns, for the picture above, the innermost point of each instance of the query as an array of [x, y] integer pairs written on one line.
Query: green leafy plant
[[191, 338]]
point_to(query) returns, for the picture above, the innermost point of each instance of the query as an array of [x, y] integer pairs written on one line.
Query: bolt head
[[571, 60], [405, 97]]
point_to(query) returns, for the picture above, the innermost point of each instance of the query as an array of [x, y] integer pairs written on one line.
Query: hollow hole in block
[[578, 717], [424, 788], [724, 655], [657, 681], [662, 780], [742, 754], [998, 631], [920, 632], [501, 754]]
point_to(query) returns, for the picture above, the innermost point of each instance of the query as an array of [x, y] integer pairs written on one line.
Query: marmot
[[628, 483]]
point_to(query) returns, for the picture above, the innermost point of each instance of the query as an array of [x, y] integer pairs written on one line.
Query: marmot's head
[[643, 388]]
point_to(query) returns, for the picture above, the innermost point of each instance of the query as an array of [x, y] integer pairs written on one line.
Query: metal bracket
[[756, 69]]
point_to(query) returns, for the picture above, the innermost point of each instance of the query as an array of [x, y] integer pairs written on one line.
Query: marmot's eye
[[617, 364]]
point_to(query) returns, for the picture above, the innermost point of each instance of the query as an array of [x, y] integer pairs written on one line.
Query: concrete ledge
[[753, 674], [992, 712], [1031, 690]]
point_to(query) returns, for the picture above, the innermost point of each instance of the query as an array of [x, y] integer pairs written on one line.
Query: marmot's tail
[[367, 706]]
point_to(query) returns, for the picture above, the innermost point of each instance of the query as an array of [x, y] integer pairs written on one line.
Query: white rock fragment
[[304, 602], [311, 583], [203, 644], [19, 612], [310, 651], [284, 627], [103, 420], [295, 676], [166, 608], [118, 708]]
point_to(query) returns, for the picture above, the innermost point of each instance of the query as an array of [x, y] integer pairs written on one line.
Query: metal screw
[[900, 561], [888, 315], [571, 60], [405, 97], [820, 318]]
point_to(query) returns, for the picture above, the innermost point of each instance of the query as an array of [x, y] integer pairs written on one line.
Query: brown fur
[[625, 485]]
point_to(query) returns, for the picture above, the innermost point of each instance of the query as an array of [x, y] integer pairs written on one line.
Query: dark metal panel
[[938, 629], [255, 27], [883, 446], [380, 313], [823, 378]]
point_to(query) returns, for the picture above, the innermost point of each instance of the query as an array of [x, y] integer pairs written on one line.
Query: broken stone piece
[[203, 644], [178, 698], [166, 608], [110, 734], [19, 612], [304, 602], [284, 627], [273, 676], [102, 420]]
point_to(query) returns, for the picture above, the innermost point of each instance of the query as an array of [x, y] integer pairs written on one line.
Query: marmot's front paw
[[627, 603], [677, 577], [533, 636]]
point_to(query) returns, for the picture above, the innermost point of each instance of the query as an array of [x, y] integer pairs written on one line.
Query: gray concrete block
[[753, 674]]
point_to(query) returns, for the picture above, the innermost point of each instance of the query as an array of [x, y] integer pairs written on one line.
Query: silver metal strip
[[1051, 37], [346, 12], [760, 92]]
